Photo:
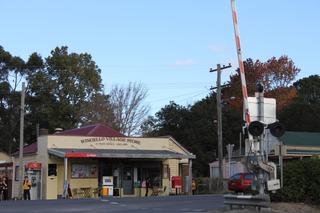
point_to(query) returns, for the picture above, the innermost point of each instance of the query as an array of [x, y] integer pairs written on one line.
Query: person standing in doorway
[[5, 188], [147, 186], [69, 192], [26, 188]]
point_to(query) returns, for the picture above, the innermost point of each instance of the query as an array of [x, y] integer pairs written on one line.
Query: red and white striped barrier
[[242, 74]]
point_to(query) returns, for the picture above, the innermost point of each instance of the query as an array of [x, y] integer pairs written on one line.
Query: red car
[[240, 182]]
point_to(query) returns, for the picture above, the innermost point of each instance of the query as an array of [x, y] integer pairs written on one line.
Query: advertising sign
[[107, 180], [84, 171]]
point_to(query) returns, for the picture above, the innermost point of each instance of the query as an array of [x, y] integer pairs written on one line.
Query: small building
[[291, 145], [236, 166], [82, 158], [299, 144]]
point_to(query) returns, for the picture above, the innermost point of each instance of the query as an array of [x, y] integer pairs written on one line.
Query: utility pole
[[219, 118], [21, 166]]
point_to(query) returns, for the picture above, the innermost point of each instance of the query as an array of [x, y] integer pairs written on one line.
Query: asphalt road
[[183, 204]]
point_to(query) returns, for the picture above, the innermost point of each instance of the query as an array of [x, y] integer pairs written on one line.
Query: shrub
[[301, 182]]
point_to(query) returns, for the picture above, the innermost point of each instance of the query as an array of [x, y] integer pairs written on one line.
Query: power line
[[126, 66], [178, 87], [181, 100], [179, 96], [179, 83]]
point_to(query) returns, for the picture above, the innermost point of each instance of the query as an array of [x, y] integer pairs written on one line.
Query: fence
[[206, 185]]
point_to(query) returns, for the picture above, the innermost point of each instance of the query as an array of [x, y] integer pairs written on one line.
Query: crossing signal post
[[264, 121]]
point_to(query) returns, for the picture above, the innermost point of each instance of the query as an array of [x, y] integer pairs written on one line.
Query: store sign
[[80, 155], [33, 165], [112, 141]]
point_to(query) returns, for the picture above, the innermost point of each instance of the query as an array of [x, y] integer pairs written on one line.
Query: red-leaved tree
[[276, 75]]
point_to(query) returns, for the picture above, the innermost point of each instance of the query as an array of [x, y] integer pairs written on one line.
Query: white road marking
[[114, 203]]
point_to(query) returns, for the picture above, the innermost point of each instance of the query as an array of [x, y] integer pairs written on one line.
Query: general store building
[[81, 158]]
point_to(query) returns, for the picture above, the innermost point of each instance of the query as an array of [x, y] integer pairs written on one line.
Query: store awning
[[117, 153], [5, 163]]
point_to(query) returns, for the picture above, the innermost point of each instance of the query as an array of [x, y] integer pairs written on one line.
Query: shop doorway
[[127, 181], [184, 173], [52, 182], [60, 179]]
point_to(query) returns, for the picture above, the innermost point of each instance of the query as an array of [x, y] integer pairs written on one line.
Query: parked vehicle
[[241, 182]]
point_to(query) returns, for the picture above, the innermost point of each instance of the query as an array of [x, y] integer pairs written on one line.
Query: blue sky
[[168, 46]]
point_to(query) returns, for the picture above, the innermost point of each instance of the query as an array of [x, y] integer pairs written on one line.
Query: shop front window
[[84, 170], [153, 174], [52, 170]]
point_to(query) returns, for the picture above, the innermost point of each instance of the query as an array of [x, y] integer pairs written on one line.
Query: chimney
[[43, 131]]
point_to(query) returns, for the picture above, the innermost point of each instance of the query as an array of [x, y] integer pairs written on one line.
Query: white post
[[21, 166], [281, 163], [190, 177], [65, 187], [41, 184], [13, 176], [230, 149], [229, 165]]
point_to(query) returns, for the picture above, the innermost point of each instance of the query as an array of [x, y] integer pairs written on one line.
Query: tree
[[303, 114], [170, 120], [309, 89], [299, 116], [195, 129], [148, 127], [276, 75], [62, 88], [98, 110], [128, 107], [284, 96], [12, 69], [11, 74]]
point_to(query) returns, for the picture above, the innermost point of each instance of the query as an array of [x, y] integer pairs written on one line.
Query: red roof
[[98, 130], [29, 149], [32, 148]]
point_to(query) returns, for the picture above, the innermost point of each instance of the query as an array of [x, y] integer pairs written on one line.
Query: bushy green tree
[[303, 113], [12, 71], [301, 182], [309, 89], [62, 86], [63, 90]]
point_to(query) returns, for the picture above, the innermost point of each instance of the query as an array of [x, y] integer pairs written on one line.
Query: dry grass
[[295, 207]]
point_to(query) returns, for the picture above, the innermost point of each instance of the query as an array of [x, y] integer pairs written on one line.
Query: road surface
[[183, 204]]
